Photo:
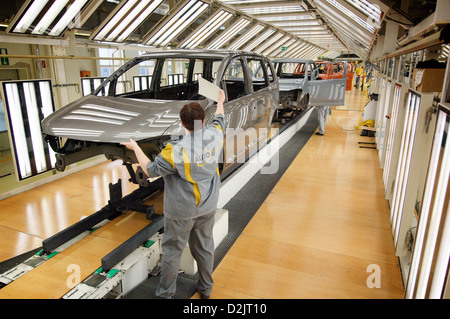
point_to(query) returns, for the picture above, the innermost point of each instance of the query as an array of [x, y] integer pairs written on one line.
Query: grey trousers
[[199, 233], [323, 115]]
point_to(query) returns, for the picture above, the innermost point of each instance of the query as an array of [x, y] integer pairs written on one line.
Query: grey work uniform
[[323, 114], [191, 191]]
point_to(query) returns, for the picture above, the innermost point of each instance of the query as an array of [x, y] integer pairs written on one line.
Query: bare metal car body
[[114, 112], [301, 86]]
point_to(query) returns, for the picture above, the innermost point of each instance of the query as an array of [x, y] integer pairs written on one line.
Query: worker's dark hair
[[190, 113]]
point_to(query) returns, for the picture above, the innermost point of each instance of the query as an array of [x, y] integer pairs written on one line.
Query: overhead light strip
[[246, 37], [177, 23], [67, 18], [276, 45], [295, 17], [258, 40], [116, 18], [29, 16], [274, 9], [296, 23], [351, 15], [207, 29], [49, 17], [140, 18], [269, 42], [228, 34]]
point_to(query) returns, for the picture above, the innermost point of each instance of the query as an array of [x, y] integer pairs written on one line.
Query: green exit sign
[[4, 61], [283, 48]]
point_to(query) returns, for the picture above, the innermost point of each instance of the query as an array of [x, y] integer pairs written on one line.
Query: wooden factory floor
[[317, 235], [323, 229]]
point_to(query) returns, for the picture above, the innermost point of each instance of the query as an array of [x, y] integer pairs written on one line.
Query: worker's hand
[[132, 145], [221, 97]]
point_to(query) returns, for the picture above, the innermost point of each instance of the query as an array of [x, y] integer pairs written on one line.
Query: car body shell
[[96, 124], [335, 70], [303, 87]]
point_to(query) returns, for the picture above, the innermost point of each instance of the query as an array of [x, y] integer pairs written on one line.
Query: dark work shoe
[[317, 133], [202, 296]]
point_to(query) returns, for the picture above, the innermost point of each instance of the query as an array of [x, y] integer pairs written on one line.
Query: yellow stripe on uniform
[[187, 171], [218, 126], [167, 154]]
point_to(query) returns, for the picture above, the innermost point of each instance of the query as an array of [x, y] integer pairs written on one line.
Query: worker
[[323, 116], [191, 191], [358, 71]]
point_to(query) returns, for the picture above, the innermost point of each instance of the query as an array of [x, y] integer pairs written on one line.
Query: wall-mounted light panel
[[390, 142], [88, 85], [27, 103], [142, 82], [429, 268], [176, 23], [47, 17], [125, 19], [415, 149]]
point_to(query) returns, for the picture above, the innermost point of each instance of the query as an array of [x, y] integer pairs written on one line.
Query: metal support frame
[[116, 206], [126, 248]]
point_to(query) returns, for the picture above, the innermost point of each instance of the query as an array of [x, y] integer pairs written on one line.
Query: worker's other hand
[[130, 145], [221, 97]]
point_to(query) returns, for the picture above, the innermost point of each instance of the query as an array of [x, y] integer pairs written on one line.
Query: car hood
[[114, 120]]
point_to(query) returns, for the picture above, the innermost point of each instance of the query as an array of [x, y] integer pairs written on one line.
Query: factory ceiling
[[276, 28]]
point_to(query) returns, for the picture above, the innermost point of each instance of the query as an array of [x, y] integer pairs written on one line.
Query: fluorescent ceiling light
[[312, 28], [67, 18], [275, 9], [287, 18], [296, 23], [137, 21], [368, 9], [243, 1], [48, 18], [258, 40], [352, 16], [246, 37], [207, 29], [29, 16], [176, 24], [116, 18], [269, 42], [276, 45], [182, 24], [228, 34]]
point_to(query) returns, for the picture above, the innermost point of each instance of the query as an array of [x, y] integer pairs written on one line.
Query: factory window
[[146, 67], [108, 65]]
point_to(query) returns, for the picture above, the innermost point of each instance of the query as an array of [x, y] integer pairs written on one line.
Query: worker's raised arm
[[143, 160], [220, 101]]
